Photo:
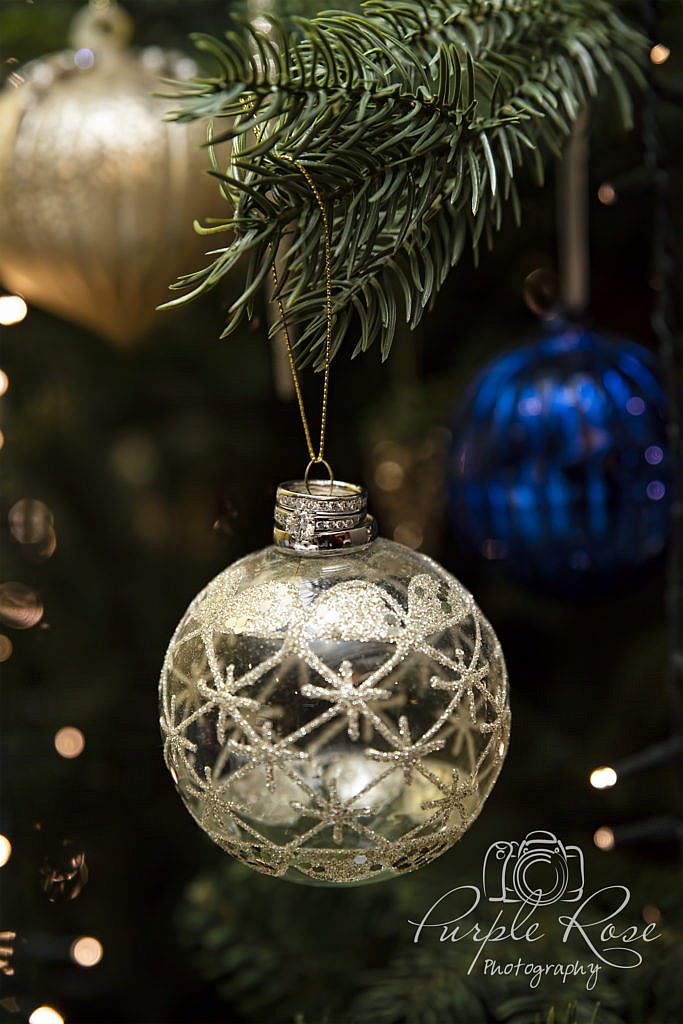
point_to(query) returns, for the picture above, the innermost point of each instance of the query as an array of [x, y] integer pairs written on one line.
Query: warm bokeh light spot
[[389, 475], [6, 647], [4, 382], [45, 1015], [69, 742], [30, 521], [13, 309], [659, 54], [603, 778], [86, 951], [651, 914], [5, 850], [603, 838], [20, 606], [607, 194]]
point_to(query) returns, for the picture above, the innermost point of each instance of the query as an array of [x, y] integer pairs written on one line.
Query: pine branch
[[414, 118]]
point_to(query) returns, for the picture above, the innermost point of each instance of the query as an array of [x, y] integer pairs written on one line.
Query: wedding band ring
[[320, 496], [328, 543], [289, 520]]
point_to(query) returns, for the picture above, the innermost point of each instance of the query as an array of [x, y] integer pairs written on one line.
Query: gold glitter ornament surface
[[334, 719], [98, 193]]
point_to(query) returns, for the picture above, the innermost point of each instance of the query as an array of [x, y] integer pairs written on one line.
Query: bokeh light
[[6, 647], [84, 58], [651, 914], [659, 54], [7, 952], [5, 850], [603, 778], [389, 475], [20, 606], [135, 459], [69, 742], [607, 194], [603, 838], [30, 521], [86, 951], [31, 524], [4, 382], [45, 1015], [541, 293], [13, 309]]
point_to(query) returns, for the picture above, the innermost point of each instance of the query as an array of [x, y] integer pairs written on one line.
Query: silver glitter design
[[334, 720]]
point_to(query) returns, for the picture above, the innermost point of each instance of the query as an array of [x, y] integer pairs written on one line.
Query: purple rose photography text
[[523, 877]]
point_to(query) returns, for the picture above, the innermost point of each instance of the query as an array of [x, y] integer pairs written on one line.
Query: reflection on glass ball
[[560, 467], [334, 719]]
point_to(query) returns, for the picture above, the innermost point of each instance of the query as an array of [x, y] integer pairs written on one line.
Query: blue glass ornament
[[560, 466]]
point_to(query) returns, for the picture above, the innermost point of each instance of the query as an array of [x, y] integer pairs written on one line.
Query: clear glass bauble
[[336, 719]]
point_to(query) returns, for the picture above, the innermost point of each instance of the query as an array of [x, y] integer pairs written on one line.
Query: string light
[[659, 54], [45, 1015], [603, 838], [13, 309], [86, 951], [5, 850], [651, 914], [389, 475], [7, 952], [607, 194], [4, 382], [603, 778], [69, 742]]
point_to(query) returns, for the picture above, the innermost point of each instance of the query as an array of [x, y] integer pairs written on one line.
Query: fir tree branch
[[414, 118]]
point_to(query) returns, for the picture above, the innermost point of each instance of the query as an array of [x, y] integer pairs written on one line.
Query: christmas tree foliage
[[422, 124], [414, 120]]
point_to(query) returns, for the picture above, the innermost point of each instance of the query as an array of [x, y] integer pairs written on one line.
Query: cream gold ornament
[[97, 192]]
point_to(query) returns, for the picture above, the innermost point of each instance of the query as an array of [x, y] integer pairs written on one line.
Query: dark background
[[159, 463]]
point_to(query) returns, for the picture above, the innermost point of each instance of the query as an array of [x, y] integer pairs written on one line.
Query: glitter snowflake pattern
[[338, 731], [335, 814], [349, 698], [263, 751], [406, 755]]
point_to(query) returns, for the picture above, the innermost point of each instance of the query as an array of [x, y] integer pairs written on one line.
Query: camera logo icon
[[539, 870]]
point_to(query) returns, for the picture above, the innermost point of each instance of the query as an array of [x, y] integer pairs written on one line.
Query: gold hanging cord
[[319, 458]]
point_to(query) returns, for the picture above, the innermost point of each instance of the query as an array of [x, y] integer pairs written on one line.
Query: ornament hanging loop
[[318, 462]]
